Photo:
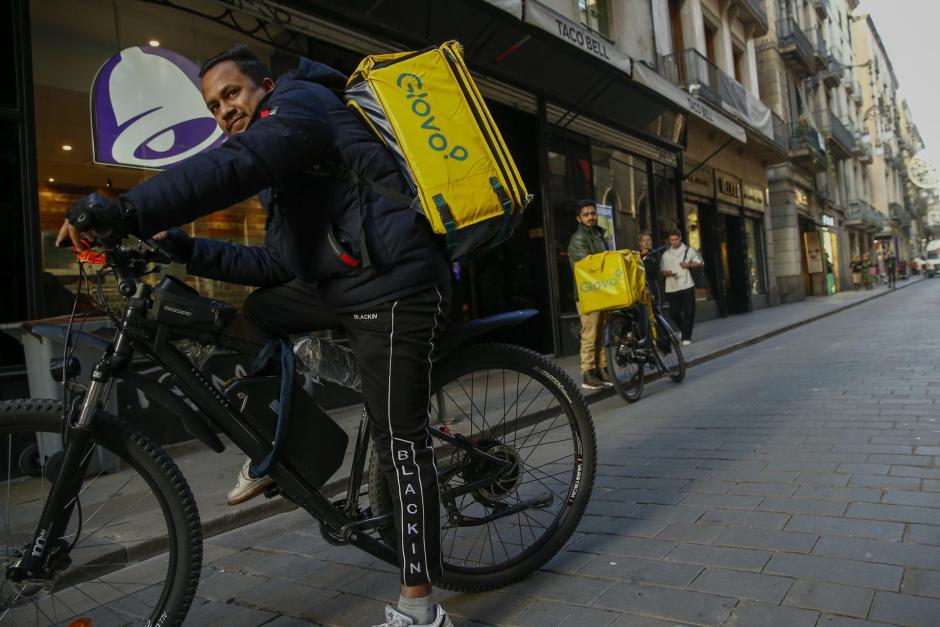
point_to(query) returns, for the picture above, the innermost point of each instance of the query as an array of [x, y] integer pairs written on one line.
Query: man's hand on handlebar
[[96, 217], [176, 243]]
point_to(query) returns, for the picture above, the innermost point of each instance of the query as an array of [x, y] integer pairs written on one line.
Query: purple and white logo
[[147, 110]]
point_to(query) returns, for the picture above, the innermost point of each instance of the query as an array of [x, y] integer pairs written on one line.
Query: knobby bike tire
[[677, 373], [468, 362], [183, 540], [630, 388]]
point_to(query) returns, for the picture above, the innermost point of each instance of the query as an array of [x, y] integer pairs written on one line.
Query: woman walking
[[856, 268]]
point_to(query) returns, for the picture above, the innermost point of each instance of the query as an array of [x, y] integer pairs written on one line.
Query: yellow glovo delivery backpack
[[425, 107], [610, 280]]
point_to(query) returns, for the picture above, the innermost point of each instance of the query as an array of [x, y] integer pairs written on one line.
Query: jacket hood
[[315, 72]]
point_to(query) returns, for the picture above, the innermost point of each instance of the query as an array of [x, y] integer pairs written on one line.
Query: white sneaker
[[394, 618], [247, 488], [686, 342]]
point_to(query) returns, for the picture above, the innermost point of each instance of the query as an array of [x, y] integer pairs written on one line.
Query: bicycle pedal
[[272, 491]]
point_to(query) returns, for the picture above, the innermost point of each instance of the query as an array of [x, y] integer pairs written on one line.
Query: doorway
[[513, 275], [737, 299]]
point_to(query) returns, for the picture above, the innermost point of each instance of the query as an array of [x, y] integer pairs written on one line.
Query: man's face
[[232, 97], [588, 216], [646, 242], [675, 241]]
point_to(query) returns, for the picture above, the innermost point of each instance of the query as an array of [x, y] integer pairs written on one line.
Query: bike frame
[[137, 333]]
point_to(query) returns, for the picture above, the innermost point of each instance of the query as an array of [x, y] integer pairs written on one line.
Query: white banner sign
[[576, 35]]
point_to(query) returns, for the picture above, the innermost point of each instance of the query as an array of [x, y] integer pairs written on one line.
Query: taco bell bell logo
[[147, 110]]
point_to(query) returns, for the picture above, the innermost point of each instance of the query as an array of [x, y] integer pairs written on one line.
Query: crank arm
[[539, 502], [361, 525]]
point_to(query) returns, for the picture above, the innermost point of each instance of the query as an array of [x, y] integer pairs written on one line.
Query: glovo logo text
[[591, 286], [421, 107]]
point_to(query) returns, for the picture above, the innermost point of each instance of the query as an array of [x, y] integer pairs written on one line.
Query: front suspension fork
[[57, 510]]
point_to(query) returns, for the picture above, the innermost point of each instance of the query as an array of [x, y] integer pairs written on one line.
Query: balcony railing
[[864, 151], [860, 213], [842, 139], [753, 12], [822, 51], [690, 68], [806, 144], [794, 45], [822, 8], [899, 213]]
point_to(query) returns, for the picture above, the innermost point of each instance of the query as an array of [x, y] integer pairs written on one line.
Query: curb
[[273, 506]]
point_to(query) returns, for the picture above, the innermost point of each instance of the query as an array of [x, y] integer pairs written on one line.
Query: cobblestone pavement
[[793, 483]]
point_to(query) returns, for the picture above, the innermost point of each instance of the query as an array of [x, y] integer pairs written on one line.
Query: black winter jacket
[[313, 221]]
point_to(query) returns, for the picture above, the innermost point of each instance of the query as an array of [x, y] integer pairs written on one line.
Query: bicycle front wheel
[[131, 552], [624, 363], [518, 406]]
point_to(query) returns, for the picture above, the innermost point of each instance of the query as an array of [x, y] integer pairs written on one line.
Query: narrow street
[[795, 482]]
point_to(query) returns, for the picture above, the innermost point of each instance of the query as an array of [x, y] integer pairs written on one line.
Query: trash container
[[40, 349]]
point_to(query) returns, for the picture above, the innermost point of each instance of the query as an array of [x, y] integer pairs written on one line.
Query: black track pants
[[682, 310], [393, 343]]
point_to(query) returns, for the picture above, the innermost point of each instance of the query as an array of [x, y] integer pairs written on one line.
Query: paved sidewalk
[[791, 484], [211, 475]]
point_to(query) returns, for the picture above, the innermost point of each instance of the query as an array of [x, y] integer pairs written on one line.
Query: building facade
[[741, 122]]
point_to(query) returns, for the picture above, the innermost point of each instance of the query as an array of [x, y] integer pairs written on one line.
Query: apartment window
[[595, 14], [738, 56], [711, 35]]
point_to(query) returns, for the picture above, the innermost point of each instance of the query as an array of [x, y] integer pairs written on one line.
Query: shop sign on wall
[[814, 259], [147, 110], [802, 199], [728, 188], [700, 181], [753, 197]]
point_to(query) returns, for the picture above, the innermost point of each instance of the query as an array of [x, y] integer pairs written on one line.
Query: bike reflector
[[98, 259]]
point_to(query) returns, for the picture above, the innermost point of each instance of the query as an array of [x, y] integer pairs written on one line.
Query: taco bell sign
[[147, 111]]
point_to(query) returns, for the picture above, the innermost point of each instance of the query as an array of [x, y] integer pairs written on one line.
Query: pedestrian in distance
[[311, 271], [891, 267], [868, 271], [677, 262], [588, 239], [856, 268]]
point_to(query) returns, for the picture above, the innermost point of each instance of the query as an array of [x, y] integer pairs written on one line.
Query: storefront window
[[69, 47], [620, 182], [570, 180], [664, 184], [755, 255]]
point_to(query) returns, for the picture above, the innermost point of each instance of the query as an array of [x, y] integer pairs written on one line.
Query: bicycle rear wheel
[[519, 406], [132, 550], [624, 364], [669, 351]]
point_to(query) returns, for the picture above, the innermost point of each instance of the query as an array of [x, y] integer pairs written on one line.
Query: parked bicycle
[[632, 347], [516, 464]]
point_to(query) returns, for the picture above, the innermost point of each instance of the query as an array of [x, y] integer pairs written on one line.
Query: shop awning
[[541, 16], [526, 44], [652, 80]]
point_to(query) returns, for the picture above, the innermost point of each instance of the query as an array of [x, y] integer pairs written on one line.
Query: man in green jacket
[[588, 239]]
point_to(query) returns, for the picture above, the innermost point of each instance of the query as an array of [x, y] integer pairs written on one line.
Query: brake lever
[[162, 256]]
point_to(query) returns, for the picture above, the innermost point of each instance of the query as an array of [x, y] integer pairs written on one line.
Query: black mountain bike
[[516, 463], [628, 355]]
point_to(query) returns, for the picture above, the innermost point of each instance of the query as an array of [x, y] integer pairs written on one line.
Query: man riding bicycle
[[335, 253]]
